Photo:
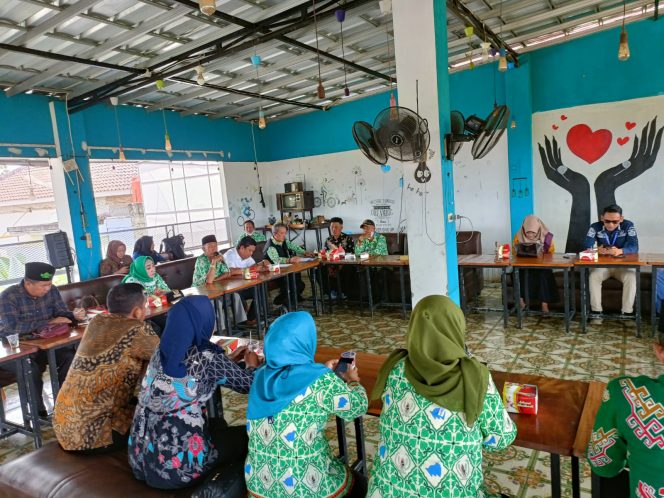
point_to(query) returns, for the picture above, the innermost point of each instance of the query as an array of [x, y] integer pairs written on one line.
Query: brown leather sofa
[[54, 473]]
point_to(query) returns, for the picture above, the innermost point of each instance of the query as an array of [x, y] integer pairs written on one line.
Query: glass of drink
[[12, 339]]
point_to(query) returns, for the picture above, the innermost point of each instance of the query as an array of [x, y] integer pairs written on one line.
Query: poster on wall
[[588, 157]]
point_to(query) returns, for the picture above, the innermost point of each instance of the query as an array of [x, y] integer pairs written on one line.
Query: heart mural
[[629, 125], [623, 140], [587, 144]]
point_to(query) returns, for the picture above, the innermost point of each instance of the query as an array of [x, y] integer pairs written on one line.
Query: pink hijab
[[532, 224]]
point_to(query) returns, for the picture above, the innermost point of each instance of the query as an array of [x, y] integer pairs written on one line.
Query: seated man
[[237, 259], [210, 268], [250, 231], [336, 239], [30, 305], [280, 250], [371, 242], [615, 236], [628, 433], [94, 409]]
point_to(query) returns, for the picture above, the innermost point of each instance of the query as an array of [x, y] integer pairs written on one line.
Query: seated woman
[[143, 271], [144, 246], [172, 444], [117, 262], [290, 402], [541, 284], [440, 410], [94, 407]]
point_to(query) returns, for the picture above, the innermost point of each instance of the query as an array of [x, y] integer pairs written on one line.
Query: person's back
[[427, 450], [94, 401]]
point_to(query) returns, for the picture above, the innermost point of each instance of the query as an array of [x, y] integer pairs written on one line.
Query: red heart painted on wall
[[623, 140], [629, 125], [563, 117], [555, 127], [587, 144]]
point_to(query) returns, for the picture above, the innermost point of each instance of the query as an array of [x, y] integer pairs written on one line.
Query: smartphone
[[346, 359]]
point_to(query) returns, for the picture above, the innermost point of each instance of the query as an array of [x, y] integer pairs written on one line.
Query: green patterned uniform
[[157, 283], [427, 450], [289, 454], [628, 433], [203, 266], [256, 235], [376, 246], [273, 255]]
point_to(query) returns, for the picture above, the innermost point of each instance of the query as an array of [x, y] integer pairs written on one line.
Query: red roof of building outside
[[22, 185]]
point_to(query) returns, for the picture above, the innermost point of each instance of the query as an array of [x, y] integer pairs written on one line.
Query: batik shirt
[[376, 246], [169, 443], [273, 254], [427, 450], [628, 432], [289, 454], [203, 267], [256, 235], [20, 313], [344, 240], [151, 287], [95, 399]]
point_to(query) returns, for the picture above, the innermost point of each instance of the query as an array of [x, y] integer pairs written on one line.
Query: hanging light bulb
[[160, 84], [167, 142], [502, 62], [321, 90], [485, 51], [262, 123], [513, 125], [200, 75], [121, 155], [623, 48], [208, 7], [469, 30]]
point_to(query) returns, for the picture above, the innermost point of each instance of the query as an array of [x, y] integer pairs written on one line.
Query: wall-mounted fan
[[397, 132], [484, 133]]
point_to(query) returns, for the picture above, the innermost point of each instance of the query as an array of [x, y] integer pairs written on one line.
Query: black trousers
[[249, 294], [541, 285], [282, 298]]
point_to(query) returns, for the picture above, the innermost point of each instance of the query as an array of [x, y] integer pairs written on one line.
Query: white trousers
[[625, 275], [238, 310]]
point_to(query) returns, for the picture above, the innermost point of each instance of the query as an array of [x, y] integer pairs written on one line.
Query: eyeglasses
[[611, 222]]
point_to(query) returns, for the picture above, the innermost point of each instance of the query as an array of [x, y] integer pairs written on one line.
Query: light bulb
[[623, 48], [208, 7], [485, 51], [167, 142], [121, 155], [469, 31], [159, 84], [262, 123], [321, 90], [502, 64], [394, 113], [347, 91], [200, 75], [513, 125]]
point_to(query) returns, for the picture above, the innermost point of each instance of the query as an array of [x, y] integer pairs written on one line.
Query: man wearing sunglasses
[[615, 236]]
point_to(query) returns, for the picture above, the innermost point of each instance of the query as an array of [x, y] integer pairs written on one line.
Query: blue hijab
[[289, 369], [190, 323]]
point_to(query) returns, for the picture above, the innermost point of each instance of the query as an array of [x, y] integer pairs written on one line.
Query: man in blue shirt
[[615, 236]]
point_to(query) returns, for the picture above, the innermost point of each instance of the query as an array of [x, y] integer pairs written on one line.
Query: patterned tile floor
[[540, 347]]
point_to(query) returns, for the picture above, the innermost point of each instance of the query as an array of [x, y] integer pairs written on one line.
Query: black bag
[[226, 481], [527, 250], [174, 245]]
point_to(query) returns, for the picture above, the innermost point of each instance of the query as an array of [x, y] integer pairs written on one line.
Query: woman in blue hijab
[[290, 402], [172, 443]]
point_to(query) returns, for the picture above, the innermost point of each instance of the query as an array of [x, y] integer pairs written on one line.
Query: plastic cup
[[12, 339]]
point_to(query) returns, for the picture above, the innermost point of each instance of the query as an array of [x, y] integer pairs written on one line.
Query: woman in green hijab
[[142, 271], [440, 409]]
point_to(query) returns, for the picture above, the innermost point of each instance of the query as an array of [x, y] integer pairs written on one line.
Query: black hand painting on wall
[[642, 159], [578, 187], [644, 154]]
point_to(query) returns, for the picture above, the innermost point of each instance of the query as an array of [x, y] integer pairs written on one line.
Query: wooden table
[[545, 261], [390, 261], [289, 273], [484, 261], [355, 263], [656, 261], [635, 261], [27, 393], [554, 429]]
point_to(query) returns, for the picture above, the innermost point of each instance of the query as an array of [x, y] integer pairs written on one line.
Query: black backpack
[[174, 245]]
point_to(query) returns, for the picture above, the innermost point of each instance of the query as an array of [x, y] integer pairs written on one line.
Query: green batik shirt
[[289, 455], [203, 266], [427, 450], [157, 283], [375, 247], [256, 235], [273, 255], [628, 433]]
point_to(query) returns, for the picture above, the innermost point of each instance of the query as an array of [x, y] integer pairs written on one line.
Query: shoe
[[595, 318], [333, 294], [42, 413], [250, 323], [627, 315]]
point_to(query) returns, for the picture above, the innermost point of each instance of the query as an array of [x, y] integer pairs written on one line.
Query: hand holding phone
[[346, 368]]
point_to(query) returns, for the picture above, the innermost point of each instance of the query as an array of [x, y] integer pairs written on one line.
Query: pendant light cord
[[389, 57], [163, 115], [258, 176], [117, 126], [313, 2], [343, 53]]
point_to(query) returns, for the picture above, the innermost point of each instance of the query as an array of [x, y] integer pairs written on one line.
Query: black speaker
[[57, 249]]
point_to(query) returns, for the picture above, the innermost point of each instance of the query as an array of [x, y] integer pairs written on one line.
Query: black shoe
[[627, 315], [42, 413]]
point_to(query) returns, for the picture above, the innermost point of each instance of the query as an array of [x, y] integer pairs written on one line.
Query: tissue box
[[588, 255], [503, 251], [274, 268], [350, 257], [154, 301], [364, 255], [520, 398]]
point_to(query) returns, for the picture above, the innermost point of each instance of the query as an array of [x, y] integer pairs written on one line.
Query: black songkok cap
[[207, 239], [39, 271]]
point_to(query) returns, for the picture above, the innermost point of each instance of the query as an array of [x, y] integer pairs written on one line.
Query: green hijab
[[138, 271], [437, 365]]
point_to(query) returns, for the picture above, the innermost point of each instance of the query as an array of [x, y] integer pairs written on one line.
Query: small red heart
[[555, 127], [623, 140], [629, 125], [563, 117]]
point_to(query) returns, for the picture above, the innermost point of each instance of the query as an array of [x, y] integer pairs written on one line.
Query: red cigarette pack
[[520, 398]]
